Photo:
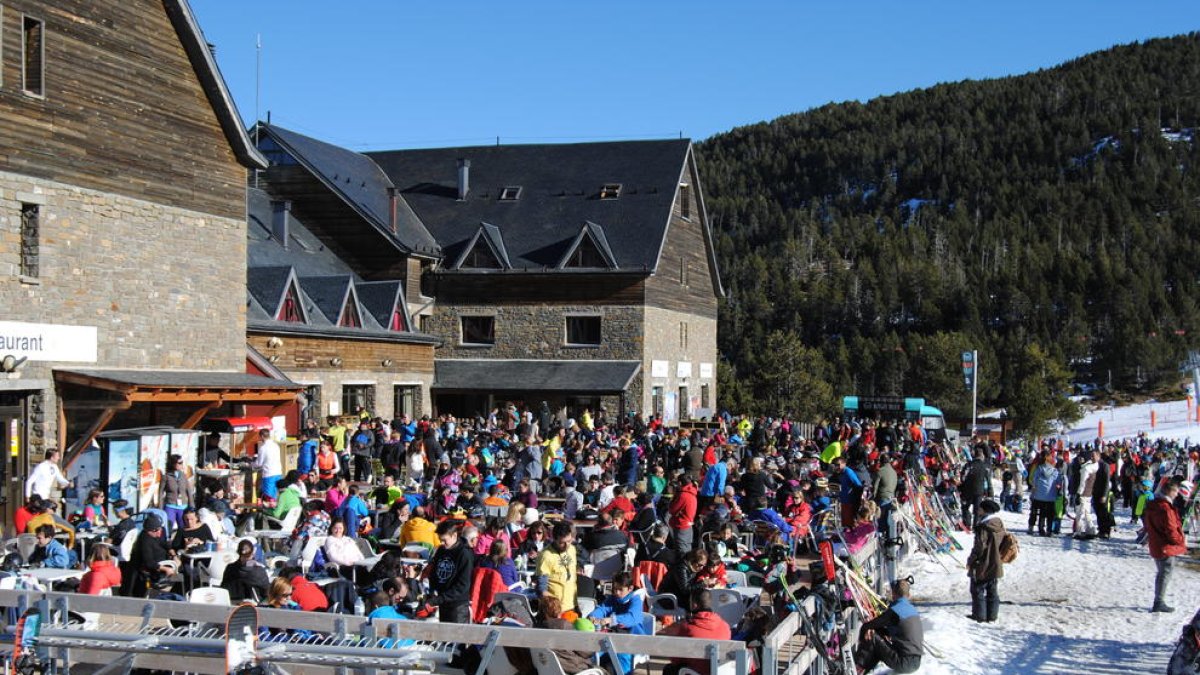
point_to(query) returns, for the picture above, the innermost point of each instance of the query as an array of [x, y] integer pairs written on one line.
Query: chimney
[[281, 213], [464, 178], [393, 204]]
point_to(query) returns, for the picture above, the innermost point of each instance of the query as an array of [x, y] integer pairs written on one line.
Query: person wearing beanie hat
[[1165, 534], [984, 567]]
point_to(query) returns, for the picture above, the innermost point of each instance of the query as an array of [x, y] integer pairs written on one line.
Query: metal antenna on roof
[[257, 90], [497, 141]]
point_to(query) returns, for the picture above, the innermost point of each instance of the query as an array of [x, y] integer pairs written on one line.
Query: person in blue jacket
[[714, 483], [307, 457], [621, 610], [1047, 484], [50, 552], [764, 513], [895, 637]]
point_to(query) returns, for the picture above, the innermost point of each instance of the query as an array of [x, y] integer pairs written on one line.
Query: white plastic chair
[[309, 553], [735, 577], [216, 567], [126, 546], [415, 551], [213, 595], [289, 522], [26, 543], [665, 604], [495, 511], [728, 605], [547, 663], [606, 562]]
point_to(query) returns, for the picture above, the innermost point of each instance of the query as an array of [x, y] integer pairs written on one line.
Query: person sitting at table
[[26, 513], [496, 498], [534, 540], [290, 496], [352, 512], [341, 549], [389, 522], [44, 514], [646, 515], [681, 579], [591, 496], [245, 578], [712, 575], [621, 611], [514, 520], [864, 527], [216, 499], [336, 494], [125, 523], [701, 622], [151, 563], [419, 530], [388, 493], [525, 495], [193, 536], [93, 513], [656, 549], [493, 530], [572, 502], [605, 535], [620, 501], [49, 552], [305, 593], [102, 572], [498, 558]]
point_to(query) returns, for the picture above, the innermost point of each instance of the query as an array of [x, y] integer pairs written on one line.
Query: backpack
[[1009, 548]]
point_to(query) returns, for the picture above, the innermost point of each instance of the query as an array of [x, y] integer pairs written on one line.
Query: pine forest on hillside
[[1049, 220]]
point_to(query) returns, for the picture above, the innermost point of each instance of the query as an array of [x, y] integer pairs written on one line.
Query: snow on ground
[[1067, 606], [1173, 420]]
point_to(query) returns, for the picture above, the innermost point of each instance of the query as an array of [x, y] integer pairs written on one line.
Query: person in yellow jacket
[[419, 530], [585, 420], [831, 452]]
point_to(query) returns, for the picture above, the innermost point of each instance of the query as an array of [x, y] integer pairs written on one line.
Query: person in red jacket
[[305, 593], [683, 514], [701, 622], [102, 572], [1165, 534], [26, 512]]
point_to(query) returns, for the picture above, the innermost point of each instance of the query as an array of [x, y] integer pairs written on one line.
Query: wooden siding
[[685, 245], [123, 110], [335, 223], [519, 288], [299, 354]]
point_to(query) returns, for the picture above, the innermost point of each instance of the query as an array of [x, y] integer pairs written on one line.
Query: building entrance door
[[13, 443]]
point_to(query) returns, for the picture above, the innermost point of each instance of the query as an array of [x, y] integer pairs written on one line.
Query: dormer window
[[610, 191], [350, 317], [290, 309], [398, 324], [586, 256], [511, 193]]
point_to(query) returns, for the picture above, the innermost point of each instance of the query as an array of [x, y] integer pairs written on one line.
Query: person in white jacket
[[46, 476], [269, 460], [1085, 519]]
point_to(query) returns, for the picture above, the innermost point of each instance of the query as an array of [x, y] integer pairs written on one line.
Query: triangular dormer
[[485, 251], [350, 317], [589, 250], [383, 301], [291, 309]]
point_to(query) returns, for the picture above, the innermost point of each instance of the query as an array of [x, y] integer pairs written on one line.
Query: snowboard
[[241, 640], [25, 657]]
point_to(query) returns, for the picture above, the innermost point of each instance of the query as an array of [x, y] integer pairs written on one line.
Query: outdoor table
[[53, 574], [193, 557]]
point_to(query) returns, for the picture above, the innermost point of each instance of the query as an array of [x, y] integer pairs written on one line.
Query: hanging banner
[[968, 366]]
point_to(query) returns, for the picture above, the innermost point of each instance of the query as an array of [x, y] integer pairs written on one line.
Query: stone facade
[[128, 267], [679, 337], [538, 332], [308, 360]]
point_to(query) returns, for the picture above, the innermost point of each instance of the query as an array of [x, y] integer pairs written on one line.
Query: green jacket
[[288, 499]]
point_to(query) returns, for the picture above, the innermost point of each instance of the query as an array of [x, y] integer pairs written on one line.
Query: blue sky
[[375, 74]]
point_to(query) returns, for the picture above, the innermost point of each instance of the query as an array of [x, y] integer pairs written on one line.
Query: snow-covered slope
[[1173, 420], [1067, 607]]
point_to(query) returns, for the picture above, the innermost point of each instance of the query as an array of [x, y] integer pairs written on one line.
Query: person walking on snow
[[1165, 535], [984, 567], [1085, 519]]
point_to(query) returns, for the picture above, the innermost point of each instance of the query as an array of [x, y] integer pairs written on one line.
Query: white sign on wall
[[48, 342], [659, 368], [706, 371], [683, 369]]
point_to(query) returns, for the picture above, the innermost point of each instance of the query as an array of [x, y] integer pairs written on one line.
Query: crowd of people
[[583, 518]]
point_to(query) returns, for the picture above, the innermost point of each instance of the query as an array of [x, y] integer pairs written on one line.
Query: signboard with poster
[[152, 462]]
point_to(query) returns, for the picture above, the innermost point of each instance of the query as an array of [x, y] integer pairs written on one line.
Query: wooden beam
[[194, 418], [62, 425], [96, 405], [93, 382], [97, 426]]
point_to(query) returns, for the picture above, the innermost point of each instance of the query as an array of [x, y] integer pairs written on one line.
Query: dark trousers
[[362, 467], [985, 600], [1041, 515], [1104, 517], [456, 612], [877, 649], [970, 510]]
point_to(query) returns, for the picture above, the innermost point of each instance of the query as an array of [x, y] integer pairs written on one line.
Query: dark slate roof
[[380, 298], [196, 47], [266, 285], [360, 183], [560, 193], [304, 250], [482, 375], [183, 379], [328, 294]]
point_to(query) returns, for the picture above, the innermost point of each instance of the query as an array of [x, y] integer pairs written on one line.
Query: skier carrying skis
[[895, 637]]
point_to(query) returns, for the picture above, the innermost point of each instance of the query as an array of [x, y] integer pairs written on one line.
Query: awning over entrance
[[109, 392], [511, 375]]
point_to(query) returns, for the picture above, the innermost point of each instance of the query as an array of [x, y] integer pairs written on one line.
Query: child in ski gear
[[894, 638], [1144, 497], [984, 567]]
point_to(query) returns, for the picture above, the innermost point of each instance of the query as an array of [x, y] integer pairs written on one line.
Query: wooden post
[[194, 418]]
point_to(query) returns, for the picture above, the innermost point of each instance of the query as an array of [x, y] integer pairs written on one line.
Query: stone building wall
[[132, 269], [538, 332], [674, 337]]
